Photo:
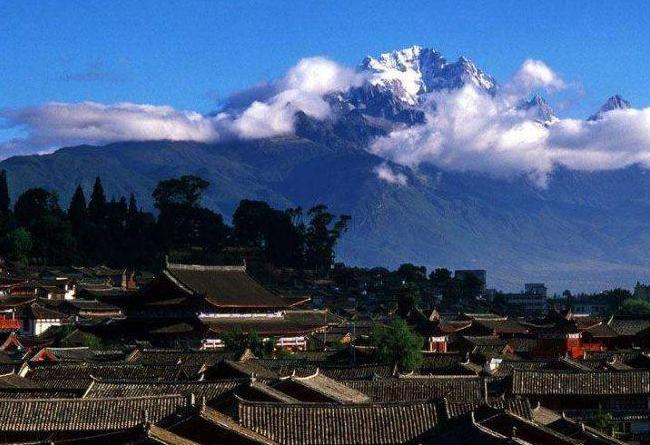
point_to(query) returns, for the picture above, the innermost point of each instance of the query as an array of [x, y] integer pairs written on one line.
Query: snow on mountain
[[413, 71], [615, 102], [537, 108]]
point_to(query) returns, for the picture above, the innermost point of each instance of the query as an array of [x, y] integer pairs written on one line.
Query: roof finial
[[190, 400]]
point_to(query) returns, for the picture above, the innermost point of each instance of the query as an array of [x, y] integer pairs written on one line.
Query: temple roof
[[325, 423], [99, 389], [84, 414], [456, 387], [223, 286], [324, 386], [581, 383]]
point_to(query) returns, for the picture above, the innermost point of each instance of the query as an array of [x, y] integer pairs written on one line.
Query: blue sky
[[190, 54]]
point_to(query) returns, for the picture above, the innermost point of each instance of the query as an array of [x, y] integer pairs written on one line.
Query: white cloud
[[473, 131], [302, 89], [536, 74], [385, 173], [266, 110], [467, 129], [56, 124]]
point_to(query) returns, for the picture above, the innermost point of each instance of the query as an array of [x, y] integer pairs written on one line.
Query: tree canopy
[[397, 343]]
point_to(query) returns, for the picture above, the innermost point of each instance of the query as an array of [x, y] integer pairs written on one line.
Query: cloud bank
[[465, 129], [264, 111], [470, 130]]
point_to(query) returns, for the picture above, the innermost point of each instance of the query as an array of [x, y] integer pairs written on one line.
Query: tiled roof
[[359, 372], [84, 414], [421, 388], [288, 324], [80, 375], [629, 325], [99, 389], [326, 387], [176, 357], [229, 424], [507, 326], [316, 423], [223, 286], [261, 392], [581, 383], [78, 354]]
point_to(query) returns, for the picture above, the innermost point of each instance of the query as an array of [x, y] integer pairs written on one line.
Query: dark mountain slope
[[585, 231]]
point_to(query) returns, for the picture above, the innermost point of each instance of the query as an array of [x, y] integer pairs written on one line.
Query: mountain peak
[[615, 102], [415, 70], [538, 108]]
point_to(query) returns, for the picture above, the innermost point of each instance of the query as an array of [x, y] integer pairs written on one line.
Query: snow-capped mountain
[[538, 109], [398, 83], [411, 72], [615, 102]]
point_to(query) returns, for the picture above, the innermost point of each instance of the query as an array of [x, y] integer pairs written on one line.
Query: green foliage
[[273, 231], [182, 223], [411, 273], [322, 234], [97, 204], [4, 193], [117, 233], [440, 277], [408, 298], [185, 191], [17, 245], [237, 341], [397, 343], [77, 212], [602, 421], [634, 306]]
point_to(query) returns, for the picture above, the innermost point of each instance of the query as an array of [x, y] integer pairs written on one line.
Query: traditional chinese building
[[223, 298]]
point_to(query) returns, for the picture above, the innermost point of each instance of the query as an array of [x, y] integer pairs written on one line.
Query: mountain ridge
[[584, 230], [577, 233]]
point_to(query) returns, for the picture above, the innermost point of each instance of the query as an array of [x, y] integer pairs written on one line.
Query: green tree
[[185, 191], [602, 421], [4, 193], [237, 341], [396, 343], [634, 306], [97, 204], [133, 206], [257, 224], [34, 204], [411, 273], [182, 222], [408, 299], [17, 245], [323, 232], [440, 277], [37, 210], [77, 209]]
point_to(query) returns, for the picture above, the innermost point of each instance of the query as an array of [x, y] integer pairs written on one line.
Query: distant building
[[532, 300], [588, 305], [537, 289], [223, 298]]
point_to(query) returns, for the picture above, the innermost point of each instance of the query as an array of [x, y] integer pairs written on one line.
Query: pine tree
[[77, 209], [97, 204], [4, 193], [133, 205]]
